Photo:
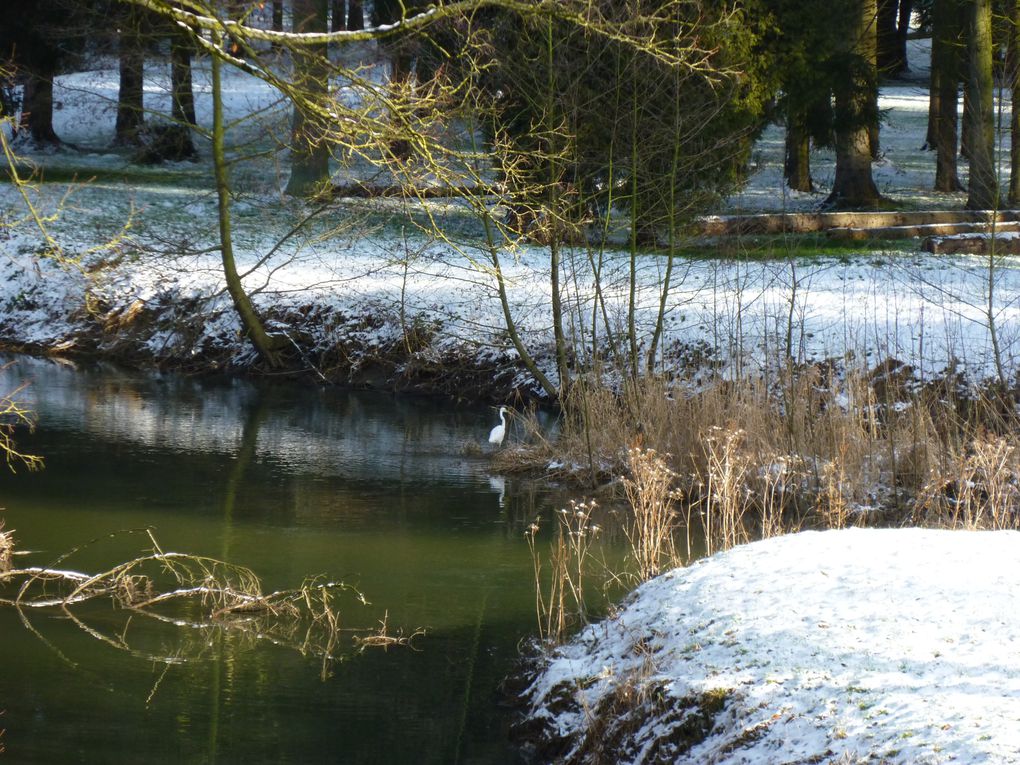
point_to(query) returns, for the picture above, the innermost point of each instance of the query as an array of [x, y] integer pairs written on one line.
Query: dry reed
[[6, 550], [809, 447], [654, 522], [561, 603], [736, 461], [975, 488]]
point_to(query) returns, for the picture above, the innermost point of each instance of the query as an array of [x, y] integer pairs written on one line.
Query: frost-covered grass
[[897, 646]]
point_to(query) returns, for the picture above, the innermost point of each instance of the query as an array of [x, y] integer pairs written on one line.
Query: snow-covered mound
[[898, 646]]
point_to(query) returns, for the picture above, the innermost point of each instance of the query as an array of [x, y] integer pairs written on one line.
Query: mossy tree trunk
[[267, 347]]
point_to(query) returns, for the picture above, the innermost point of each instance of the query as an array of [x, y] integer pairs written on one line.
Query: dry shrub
[[975, 488], [652, 528], [6, 550], [561, 605], [810, 447]]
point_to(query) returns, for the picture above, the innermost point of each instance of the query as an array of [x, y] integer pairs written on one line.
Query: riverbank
[[841, 646], [392, 293], [355, 312]]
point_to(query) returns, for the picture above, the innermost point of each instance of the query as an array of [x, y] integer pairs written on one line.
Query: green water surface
[[291, 480]]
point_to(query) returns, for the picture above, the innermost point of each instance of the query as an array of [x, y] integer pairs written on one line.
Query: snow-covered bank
[[355, 306], [898, 646]]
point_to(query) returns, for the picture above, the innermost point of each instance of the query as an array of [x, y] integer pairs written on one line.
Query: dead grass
[[652, 530], [977, 487], [6, 550], [744, 460], [560, 596]]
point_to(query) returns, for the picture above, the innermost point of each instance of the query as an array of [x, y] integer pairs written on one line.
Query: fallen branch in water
[[196, 595], [383, 639]]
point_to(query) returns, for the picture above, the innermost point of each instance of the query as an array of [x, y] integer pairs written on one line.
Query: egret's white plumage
[[497, 434]]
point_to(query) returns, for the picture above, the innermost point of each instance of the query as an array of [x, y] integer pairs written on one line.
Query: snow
[[901, 646], [361, 276]]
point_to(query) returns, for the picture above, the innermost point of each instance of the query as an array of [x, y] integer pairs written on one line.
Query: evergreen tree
[[855, 97], [983, 187], [309, 164]]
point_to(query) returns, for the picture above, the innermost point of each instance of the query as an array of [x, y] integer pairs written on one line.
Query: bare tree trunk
[[337, 15], [945, 73], [355, 15], [889, 62], [931, 138], [867, 46], [277, 22], [309, 163], [267, 347], [37, 109], [983, 187], [1013, 70], [797, 163], [967, 125], [855, 108], [130, 114], [183, 96], [555, 179], [902, 29]]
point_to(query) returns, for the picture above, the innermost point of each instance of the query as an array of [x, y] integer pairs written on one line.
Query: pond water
[[291, 480]]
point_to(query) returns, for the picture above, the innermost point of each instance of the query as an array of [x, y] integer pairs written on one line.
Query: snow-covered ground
[[361, 280], [895, 646]]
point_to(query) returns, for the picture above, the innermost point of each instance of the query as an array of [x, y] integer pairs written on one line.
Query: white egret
[[497, 434]]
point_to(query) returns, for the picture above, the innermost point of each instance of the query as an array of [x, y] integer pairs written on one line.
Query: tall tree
[[37, 38], [131, 63], [983, 187], [856, 109], [309, 152], [355, 15], [802, 44], [946, 57], [1013, 69], [893, 22]]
